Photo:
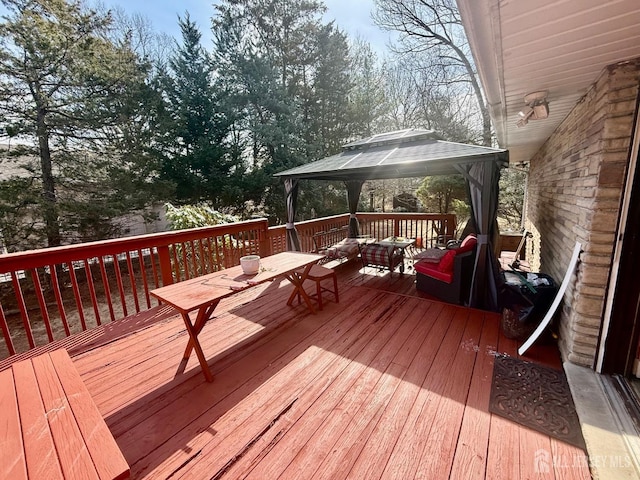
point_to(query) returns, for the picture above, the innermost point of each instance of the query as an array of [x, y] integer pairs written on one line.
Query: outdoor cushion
[[345, 248], [432, 255], [431, 270], [446, 263], [348, 246], [467, 244], [376, 254]]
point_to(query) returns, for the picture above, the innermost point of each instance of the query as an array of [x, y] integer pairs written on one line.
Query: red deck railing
[[52, 293]]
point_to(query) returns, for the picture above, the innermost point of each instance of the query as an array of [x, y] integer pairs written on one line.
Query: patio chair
[[382, 257], [448, 277], [318, 274]]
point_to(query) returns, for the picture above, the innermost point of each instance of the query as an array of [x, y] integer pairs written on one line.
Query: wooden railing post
[[166, 273], [265, 247], [450, 229]]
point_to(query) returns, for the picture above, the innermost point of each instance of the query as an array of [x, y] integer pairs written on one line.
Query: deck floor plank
[[12, 459], [399, 349], [443, 434], [405, 457], [386, 384], [256, 395], [471, 450], [381, 433], [376, 335]]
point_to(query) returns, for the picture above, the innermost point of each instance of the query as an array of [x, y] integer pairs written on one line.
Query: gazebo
[[414, 153]]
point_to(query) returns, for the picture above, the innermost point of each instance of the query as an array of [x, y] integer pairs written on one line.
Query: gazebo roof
[[405, 153]]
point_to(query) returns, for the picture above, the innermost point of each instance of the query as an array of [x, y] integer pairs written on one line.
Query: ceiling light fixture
[[537, 108]]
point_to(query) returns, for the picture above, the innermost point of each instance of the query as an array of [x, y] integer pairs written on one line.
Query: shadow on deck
[[385, 384]]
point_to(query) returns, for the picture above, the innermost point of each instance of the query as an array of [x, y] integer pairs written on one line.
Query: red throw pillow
[[467, 244], [446, 262]]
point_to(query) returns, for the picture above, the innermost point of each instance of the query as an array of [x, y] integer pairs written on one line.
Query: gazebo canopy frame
[[415, 153]]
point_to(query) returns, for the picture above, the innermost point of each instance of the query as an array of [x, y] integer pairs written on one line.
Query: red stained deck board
[[231, 340], [12, 459], [281, 337], [325, 419], [163, 334], [104, 451], [40, 451], [571, 463], [405, 457], [308, 462], [307, 387], [258, 372], [227, 408], [278, 340], [436, 462], [470, 458], [74, 457], [98, 336], [381, 431]]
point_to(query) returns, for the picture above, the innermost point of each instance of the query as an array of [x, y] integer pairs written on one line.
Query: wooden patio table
[[202, 294]]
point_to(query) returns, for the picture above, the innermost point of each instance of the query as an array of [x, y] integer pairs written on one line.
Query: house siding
[[576, 181]]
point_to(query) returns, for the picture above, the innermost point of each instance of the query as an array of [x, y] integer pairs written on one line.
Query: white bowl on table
[[250, 264]]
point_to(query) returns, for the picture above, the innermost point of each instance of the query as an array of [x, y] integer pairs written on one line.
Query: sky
[[352, 16]]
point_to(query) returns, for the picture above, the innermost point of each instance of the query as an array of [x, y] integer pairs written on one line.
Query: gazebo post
[[354, 187], [291, 197]]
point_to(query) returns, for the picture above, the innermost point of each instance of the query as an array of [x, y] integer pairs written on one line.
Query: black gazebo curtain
[[483, 181], [354, 187], [291, 197]]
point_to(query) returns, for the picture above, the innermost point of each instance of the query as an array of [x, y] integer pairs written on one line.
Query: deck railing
[[52, 293]]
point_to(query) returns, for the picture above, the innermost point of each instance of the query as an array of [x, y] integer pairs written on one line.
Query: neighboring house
[[583, 182]]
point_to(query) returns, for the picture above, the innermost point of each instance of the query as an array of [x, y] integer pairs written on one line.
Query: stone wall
[[574, 192]]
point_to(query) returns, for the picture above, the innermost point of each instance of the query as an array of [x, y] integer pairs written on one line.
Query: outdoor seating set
[[387, 254], [444, 272], [336, 245]]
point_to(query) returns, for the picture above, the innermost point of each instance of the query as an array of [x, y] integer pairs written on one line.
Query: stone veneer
[[574, 192]]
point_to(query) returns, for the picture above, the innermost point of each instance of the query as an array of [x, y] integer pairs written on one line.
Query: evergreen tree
[[266, 51], [368, 101], [195, 154], [63, 85]]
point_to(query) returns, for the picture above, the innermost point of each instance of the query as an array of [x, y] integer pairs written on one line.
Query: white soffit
[[560, 46]]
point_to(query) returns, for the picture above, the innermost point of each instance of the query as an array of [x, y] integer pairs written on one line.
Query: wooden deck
[[383, 385]]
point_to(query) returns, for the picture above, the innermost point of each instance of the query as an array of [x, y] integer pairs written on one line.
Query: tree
[[368, 102], [286, 82], [327, 86], [63, 83], [443, 194], [195, 156], [512, 191], [432, 32]]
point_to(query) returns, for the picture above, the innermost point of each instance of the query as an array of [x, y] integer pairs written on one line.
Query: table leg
[[194, 330], [297, 279]]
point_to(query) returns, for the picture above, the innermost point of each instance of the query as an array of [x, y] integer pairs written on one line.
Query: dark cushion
[[431, 255]]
